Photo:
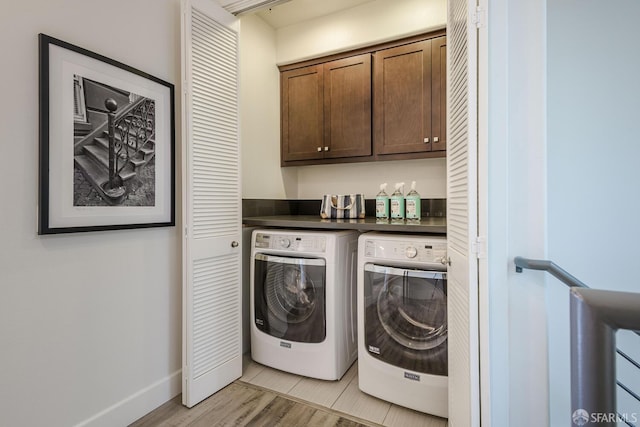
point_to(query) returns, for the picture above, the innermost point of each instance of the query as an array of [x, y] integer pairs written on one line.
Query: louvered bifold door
[[212, 322], [462, 211]]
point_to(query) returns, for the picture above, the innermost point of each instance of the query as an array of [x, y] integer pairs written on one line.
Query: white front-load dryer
[[402, 320], [303, 301]]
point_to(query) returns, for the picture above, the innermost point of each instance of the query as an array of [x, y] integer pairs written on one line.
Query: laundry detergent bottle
[[382, 203], [397, 203], [412, 204]]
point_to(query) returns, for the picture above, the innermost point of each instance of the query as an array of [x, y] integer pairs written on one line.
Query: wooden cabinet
[[439, 94], [302, 123], [384, 102], [410, 99], [326, 110], [347, 107]]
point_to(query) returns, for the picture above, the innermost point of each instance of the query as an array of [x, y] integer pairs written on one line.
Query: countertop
[[430, 225]]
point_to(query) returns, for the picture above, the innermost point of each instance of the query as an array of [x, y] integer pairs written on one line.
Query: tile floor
[[343, 396]]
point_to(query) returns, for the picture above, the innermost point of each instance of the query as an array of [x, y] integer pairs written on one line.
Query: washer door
[[289, 297], [406, 317]]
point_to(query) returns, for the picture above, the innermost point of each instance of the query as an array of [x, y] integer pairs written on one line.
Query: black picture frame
[[107, 143]]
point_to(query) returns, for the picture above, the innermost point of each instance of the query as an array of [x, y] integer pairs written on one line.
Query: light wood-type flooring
[[268, 397]]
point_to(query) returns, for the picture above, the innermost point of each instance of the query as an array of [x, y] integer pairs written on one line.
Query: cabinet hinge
[[479, 247], [479, 17]]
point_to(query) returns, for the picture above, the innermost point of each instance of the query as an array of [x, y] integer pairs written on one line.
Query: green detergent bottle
[[397, 203], [412, 204], [382, 203]]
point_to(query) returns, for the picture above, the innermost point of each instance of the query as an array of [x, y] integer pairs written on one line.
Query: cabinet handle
[[435, 139], [426, 140], [319, 148], [234, 244], [326, 148]]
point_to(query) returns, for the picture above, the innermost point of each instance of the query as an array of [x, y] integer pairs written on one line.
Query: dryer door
[[406, 317], [289, 297]]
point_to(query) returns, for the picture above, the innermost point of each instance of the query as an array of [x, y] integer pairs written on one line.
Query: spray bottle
[[397, 203], [382, 203], [412, 204]]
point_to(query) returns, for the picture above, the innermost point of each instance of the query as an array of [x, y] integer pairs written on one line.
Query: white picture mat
[[63, 65]]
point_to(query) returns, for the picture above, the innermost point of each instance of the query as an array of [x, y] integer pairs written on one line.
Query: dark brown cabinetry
[[326, 110], [439, 94], [347, 107], [351, 108], [410, 99], [302, 131]]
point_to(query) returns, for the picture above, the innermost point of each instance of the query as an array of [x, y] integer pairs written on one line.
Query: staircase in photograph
[[113, 153]]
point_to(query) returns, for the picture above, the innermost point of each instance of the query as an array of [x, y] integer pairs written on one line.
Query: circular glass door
[[405, 317], [289, 297], [290, 293], [413, 311]]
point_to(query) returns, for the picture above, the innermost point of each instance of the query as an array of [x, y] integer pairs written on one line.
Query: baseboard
[[138, 404]]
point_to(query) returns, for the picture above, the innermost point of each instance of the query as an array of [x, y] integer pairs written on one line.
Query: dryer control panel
[[421, 251], [291, 242]]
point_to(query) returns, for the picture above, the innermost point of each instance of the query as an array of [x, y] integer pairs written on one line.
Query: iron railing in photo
[[131, 134]]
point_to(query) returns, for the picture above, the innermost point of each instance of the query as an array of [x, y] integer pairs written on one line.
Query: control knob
[[285, 243], [411, 252]]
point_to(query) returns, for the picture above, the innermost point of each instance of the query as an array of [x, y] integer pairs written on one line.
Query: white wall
[[365, 178], [368, 23], [89, 322], [517, 212], [262, 177], [563, 118], [592, 166]]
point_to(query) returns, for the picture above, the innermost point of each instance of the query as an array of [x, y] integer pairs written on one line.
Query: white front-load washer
[[303, 301], [402, 320]]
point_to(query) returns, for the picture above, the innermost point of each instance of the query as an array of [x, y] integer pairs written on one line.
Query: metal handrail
[[559, 273], [549, 266], [596, 315]]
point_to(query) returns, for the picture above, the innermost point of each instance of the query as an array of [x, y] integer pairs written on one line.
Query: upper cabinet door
[[212, 291], [402, 99], [439, 94], [347, 107], [302, 113]]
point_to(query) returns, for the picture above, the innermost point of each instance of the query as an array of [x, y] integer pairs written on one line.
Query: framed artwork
[[107, 143]]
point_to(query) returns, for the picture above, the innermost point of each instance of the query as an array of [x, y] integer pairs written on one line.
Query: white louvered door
[[212, 322], [462, 215]]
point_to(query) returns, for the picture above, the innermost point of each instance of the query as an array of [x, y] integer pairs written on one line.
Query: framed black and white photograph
[[107, 143]]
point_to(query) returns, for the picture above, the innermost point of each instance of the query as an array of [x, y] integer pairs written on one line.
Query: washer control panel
[[291, 242], [427, 251]]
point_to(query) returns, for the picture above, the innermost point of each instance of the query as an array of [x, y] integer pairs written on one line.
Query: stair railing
[[113, 185], [129, 131], [596, 315]]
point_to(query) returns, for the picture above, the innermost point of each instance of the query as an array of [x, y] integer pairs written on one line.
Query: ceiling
[[296, 11]]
